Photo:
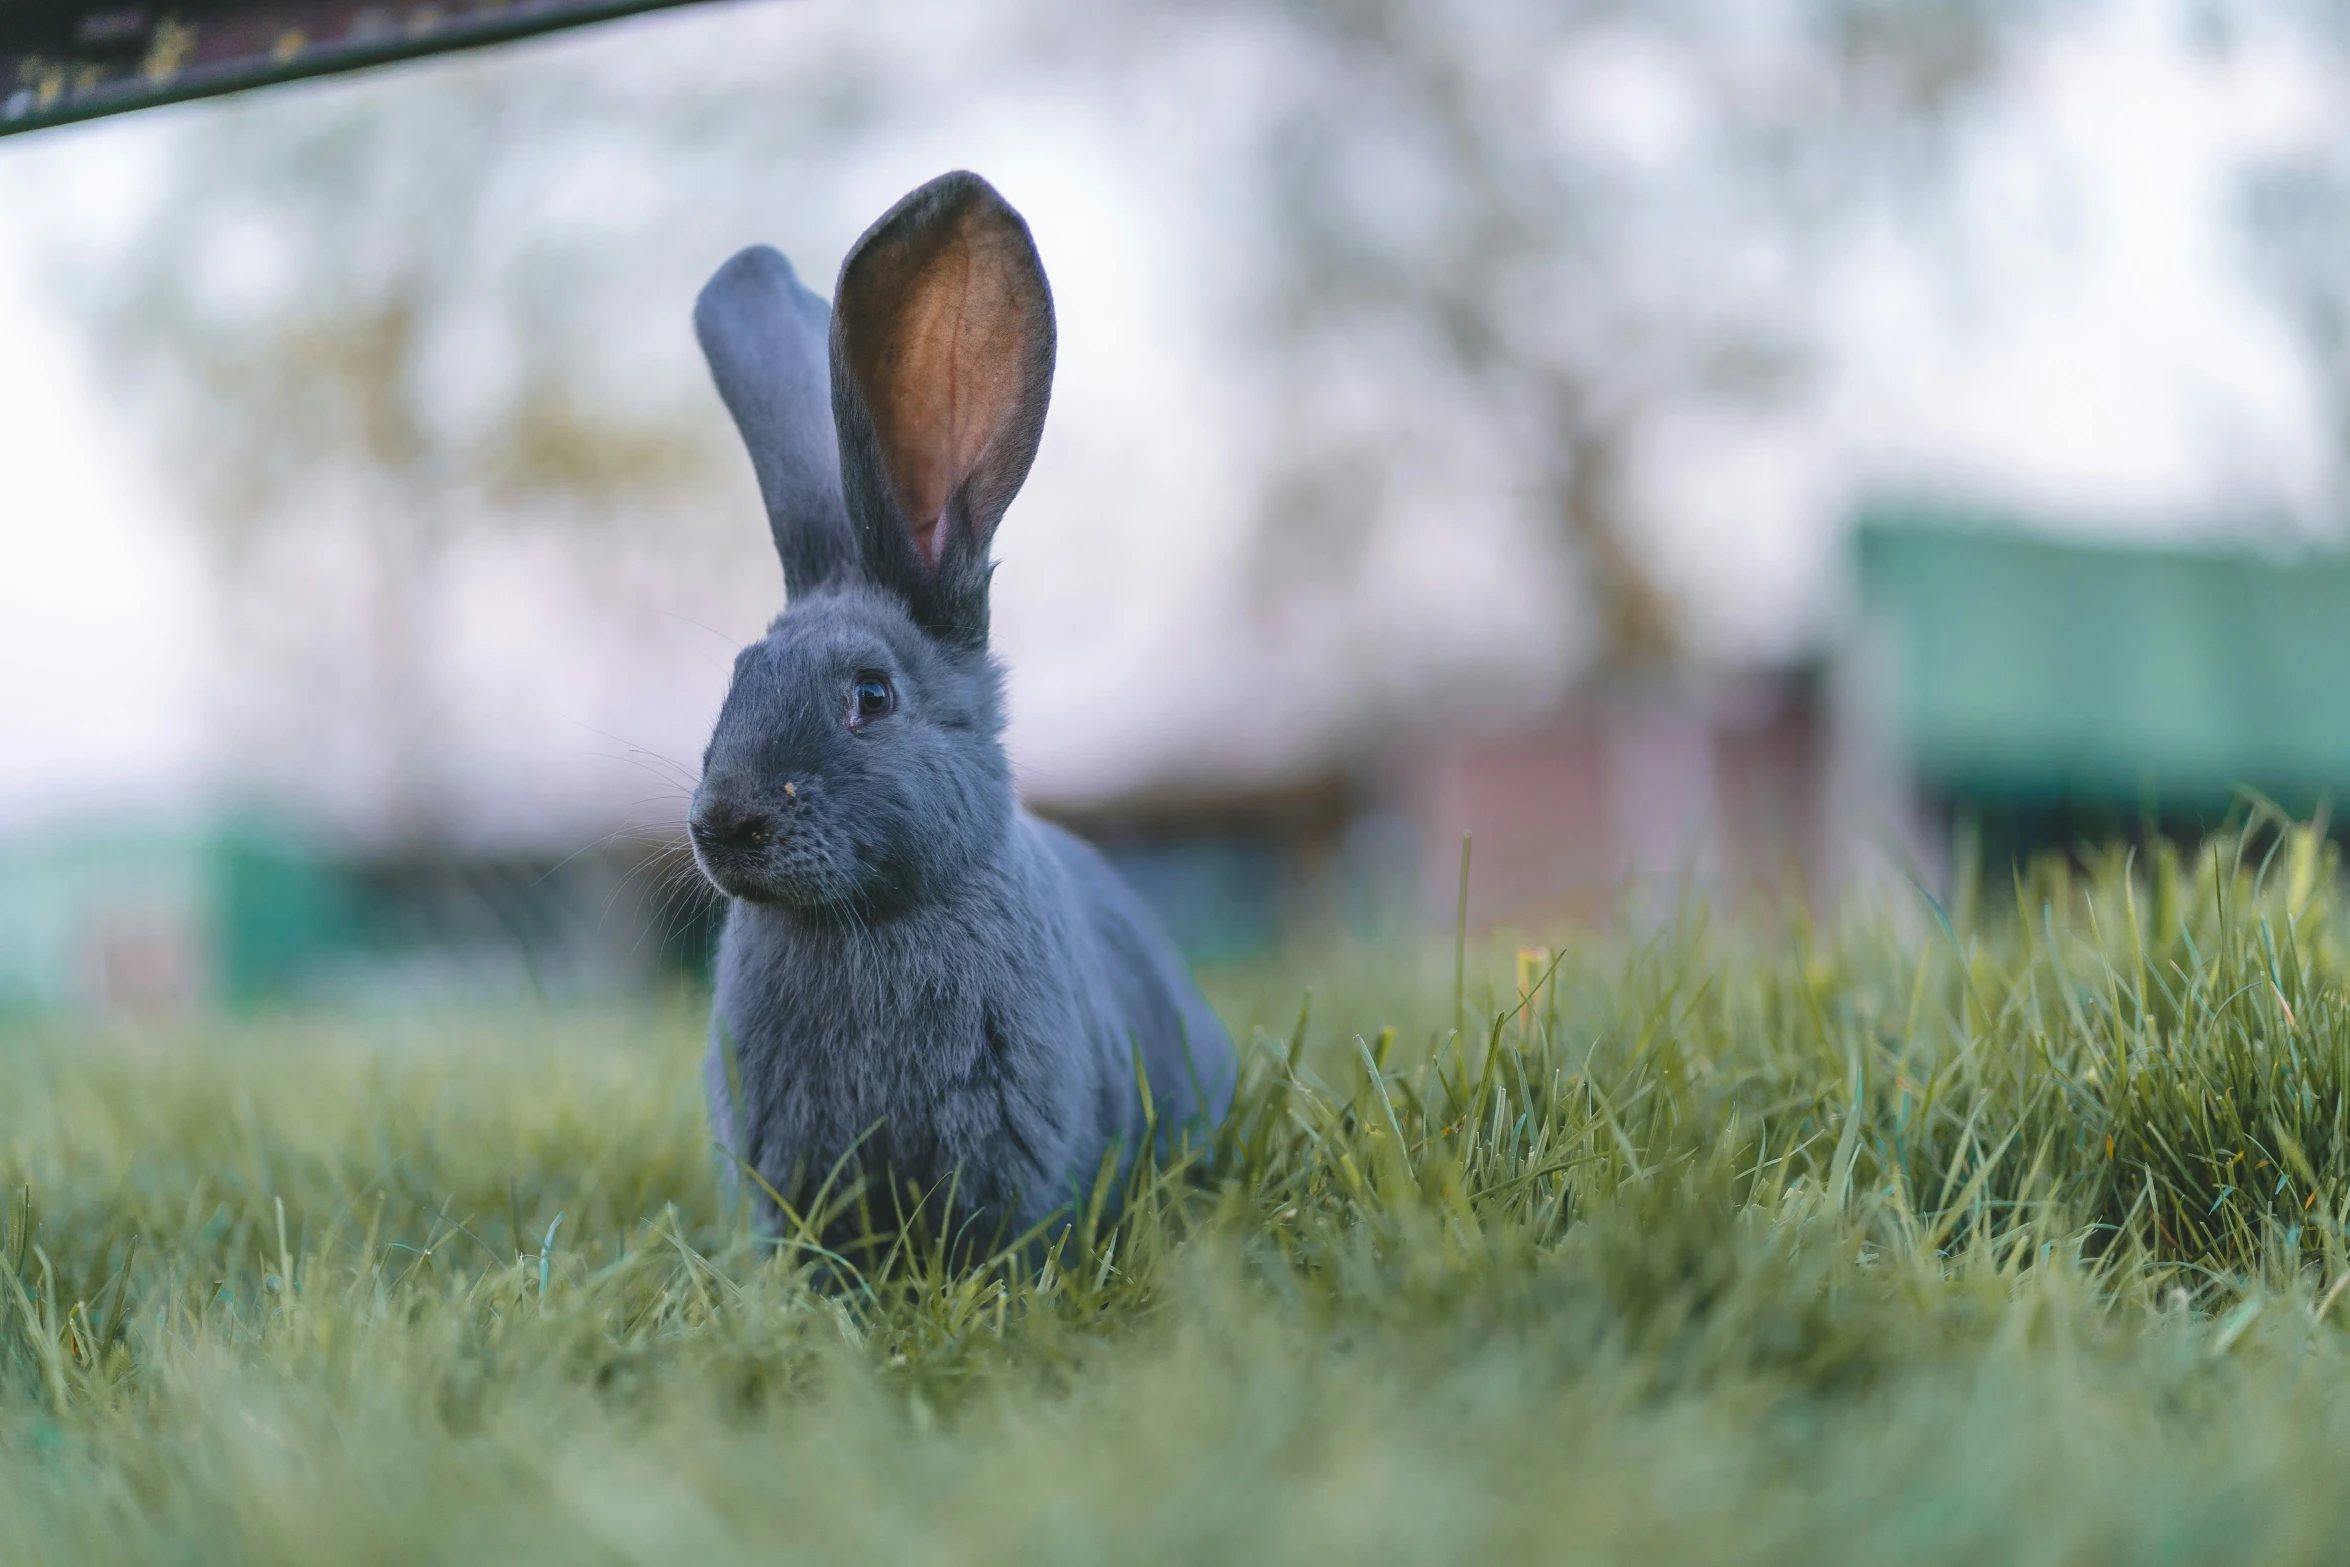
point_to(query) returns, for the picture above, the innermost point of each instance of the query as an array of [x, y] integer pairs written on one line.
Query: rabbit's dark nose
[[719, 825]]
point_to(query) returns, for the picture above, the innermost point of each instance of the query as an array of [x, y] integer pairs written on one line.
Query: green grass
[[2008, 1232]]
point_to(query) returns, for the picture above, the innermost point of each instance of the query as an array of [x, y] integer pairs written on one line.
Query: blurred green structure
[[2059, 687], [243, 914], [161, 920]]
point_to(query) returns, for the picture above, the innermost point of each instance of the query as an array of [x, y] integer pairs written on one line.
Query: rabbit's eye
[[873, 698]]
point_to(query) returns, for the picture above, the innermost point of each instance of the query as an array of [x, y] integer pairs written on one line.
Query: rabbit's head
[[857, 764]]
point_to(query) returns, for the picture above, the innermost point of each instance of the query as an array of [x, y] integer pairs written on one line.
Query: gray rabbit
[[920, 985]]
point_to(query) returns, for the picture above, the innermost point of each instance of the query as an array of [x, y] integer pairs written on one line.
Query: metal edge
[[242, 76]]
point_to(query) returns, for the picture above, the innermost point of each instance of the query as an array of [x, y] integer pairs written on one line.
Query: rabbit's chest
[[930, 1071]]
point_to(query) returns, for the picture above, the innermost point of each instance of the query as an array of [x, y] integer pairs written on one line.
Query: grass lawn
[[2012, 1232]]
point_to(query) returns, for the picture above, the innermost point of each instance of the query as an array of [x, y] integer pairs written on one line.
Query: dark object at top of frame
[[66, 60]]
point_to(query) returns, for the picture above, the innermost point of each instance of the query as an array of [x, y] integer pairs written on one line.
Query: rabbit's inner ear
[[955, 378], [946, 326]]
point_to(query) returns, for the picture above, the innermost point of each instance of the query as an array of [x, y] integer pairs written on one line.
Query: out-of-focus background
[[1714, 446]]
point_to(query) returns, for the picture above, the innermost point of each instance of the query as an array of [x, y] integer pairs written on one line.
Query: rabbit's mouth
[[735, 879], [752, 867], [747, 852], [772, 880], [775, 871]]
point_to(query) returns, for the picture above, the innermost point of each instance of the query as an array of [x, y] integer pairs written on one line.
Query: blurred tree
[[379, 317], [2296, 213], [1505, 237], [300, 294]]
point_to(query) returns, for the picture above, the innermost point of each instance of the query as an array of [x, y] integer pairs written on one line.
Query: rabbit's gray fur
[[918, 982]]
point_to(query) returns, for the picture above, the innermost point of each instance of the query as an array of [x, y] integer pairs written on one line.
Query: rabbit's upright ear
[[767, 339], [942, 363]]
